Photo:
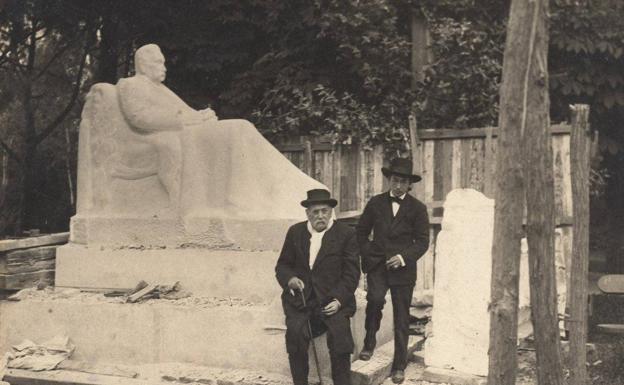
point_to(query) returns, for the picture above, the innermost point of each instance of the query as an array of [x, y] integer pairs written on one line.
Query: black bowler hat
[[319, 196], [401, 167]]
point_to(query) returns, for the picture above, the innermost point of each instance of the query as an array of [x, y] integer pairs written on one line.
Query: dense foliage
[[336, 67]]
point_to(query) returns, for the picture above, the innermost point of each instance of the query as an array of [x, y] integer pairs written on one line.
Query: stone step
[[446, 376], [63, 377], [377, 369], [167, 374], [214, 332]]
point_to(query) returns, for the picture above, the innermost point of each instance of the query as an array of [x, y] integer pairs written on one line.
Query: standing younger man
[[400, 227], [319, 261]]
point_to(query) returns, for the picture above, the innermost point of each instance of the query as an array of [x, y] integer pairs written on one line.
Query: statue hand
[[189, 118], [208, 114]]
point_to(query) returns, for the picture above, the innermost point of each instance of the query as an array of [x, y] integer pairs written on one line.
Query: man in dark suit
[[319, 259], [400, 227]]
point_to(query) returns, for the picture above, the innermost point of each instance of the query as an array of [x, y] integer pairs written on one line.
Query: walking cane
[[316, 361]]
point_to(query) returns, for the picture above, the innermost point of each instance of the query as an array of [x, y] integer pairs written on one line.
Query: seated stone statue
[[144, 153]]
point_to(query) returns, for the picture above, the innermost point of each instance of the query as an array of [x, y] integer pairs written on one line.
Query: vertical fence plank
[[428, 173], [349, 178], [447, 168], [456, 164], [566, 198], [308, 163], [581, 147], [438, 171], [488, 176], [558, 175], [336, 175], [466, 151], [378, 180]]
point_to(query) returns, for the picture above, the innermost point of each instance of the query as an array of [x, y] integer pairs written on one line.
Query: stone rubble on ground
[[76, 295], [38, 357]]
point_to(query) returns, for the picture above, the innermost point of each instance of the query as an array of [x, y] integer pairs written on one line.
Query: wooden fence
[[351, 172], [447, 159]]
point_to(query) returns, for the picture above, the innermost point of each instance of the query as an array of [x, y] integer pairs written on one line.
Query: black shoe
[[398, 376], [366, 355], [369, 346]]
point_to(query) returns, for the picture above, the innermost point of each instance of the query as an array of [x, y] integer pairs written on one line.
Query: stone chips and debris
[[38, 357], [161, 294]]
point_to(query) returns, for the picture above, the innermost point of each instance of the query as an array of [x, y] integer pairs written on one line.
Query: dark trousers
[[401, 300], [339, 342]]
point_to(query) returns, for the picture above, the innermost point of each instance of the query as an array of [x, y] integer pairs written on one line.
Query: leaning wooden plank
[[25, 243], [137, 296], [89, 367], [65, 377]]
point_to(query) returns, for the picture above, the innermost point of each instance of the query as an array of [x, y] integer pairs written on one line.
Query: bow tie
[[395, 199]]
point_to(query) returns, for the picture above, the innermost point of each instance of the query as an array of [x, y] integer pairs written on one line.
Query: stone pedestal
[[214, 332]]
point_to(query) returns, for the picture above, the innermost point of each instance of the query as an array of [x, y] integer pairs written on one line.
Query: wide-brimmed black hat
[[319, 196], [401, 167]]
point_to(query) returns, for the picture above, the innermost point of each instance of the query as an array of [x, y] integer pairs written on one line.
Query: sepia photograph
[[312, 192]]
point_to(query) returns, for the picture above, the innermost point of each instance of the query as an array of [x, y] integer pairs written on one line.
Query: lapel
[[386, 208], [404, 208], [304, 246], [326, 244]]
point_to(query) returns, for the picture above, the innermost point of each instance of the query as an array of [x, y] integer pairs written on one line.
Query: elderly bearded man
[[319, 259], [400, 227]]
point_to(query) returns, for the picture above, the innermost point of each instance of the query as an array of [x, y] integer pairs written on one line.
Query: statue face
[[152, 65], [319, 216]]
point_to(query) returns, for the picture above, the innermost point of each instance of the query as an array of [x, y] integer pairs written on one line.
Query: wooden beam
[[481, 132], [25, 243]]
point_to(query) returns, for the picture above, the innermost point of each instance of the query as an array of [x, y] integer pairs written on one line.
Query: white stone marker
[[463, 267]]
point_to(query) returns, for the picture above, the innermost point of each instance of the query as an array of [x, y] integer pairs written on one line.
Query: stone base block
[[199, 331], [174, 232], [217, 273]]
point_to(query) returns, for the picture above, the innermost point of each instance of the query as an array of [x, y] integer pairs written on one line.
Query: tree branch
[[74, 96], [56, 55], [9, 151]]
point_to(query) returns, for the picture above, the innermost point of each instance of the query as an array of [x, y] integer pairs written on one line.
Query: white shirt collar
[[312, 231]]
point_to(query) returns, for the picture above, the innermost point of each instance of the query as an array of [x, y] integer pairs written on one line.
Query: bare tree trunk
[[509, 196], [580, 149], [540, 197], [109, 46]]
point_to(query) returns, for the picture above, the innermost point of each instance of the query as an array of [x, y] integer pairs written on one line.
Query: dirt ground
[[605, 366]]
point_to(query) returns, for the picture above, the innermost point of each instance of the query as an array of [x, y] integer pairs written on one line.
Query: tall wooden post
[[540, 197], [509, 192], [580, 149]]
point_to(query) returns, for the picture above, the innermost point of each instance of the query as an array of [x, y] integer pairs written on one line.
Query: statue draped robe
[[215, 169]]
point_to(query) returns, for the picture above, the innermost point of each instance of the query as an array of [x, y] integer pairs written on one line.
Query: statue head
[[150, 62]]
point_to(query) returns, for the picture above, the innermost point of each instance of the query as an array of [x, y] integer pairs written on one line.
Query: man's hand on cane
[[295, 284]]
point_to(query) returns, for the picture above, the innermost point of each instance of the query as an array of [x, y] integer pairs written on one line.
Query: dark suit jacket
[[407, 234], [335, 273]]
